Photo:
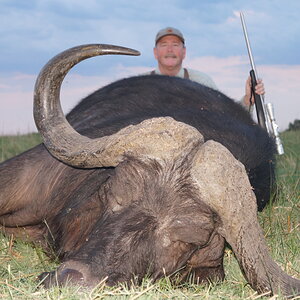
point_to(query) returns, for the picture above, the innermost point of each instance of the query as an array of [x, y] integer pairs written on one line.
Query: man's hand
[[259, 89]]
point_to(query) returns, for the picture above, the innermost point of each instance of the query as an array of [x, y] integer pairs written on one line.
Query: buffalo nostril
[[70, 276], [63, 278], [46, 279]]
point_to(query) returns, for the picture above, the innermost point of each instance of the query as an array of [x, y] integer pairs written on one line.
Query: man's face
[[169, 51]]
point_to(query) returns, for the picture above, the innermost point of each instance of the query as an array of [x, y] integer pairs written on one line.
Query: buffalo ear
[[192, 231]]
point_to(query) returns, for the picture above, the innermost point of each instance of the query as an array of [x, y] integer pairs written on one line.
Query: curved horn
[[74, 149], [223, 184]]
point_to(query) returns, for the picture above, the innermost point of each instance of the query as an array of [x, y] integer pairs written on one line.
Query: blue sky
[[34, 31]]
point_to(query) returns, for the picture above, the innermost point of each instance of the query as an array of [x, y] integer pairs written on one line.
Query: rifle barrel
[[259, 99], [248, 44], [266, 121]]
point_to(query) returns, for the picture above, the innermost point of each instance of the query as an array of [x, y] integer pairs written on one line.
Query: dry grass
[[21, 263]]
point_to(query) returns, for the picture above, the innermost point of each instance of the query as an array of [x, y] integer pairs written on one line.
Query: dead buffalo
[[152, 178]]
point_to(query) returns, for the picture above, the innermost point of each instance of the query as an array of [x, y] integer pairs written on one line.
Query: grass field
[[21, 263]]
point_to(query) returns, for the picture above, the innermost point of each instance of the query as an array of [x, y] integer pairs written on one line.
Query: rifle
[[265, 120]]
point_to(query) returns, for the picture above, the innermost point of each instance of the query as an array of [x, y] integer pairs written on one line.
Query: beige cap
[[169, 31]]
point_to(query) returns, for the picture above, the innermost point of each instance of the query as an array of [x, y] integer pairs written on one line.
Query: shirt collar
[[179, 74]]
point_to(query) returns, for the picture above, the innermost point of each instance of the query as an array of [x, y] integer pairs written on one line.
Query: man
[[170, 51]]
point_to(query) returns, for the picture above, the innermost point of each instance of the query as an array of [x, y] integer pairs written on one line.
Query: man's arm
[[249, 97]]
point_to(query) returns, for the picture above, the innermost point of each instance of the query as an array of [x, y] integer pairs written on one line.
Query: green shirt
[[194, 75]]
